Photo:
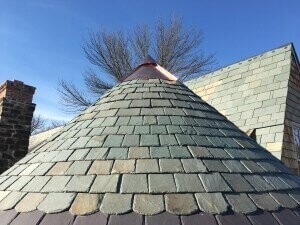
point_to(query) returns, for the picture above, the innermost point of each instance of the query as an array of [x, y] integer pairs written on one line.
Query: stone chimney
[[16, 112]]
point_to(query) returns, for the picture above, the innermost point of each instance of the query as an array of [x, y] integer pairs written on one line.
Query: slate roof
[[149, 152]]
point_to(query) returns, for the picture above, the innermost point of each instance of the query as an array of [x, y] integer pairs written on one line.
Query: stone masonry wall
[[252, 94], [16, 112], [291, 138]]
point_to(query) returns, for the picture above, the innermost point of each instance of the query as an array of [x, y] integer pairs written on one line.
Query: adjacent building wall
[[16, 111], [253, 93]]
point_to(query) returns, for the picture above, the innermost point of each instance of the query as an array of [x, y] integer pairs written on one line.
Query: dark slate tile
[[94, 219], [214, 182], [199, 218], [162, 219], [233, 219], [262, 218], [215, 165], [237, 182], [29, 218], [286, 217], [64, 218], [264, 201], [127, 219], [199, 152], [235, 166], [7, 216], [258, 182]]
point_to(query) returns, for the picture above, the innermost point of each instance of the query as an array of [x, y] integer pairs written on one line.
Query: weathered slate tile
[[181, 204], [113, 141], [291, 180], [20, 183], [147, 204], [142, 129], [42, 169], [231, 219], [162, 219], [96, 153], [29, 218], [131, 218], [193, 165], [219, 153], [170, 165], [105, 183], [56, 184], [286, 217], [80, 142], [235, 166], [138, 153], [184, 139], [7, 216], [214, 182], [147, 166], [199, 152], [59, 168], [117, 153], [295, 194], [149, 140], [134, 183], [264, 201], [162, 130], [63, 218], [96, 141], [78, 168], [167, 139], [30, 202], [161, 183], [3, 194], [275, 182], [258, 182], [262, 218], [11, 200], [29, 169], [213, 203], [123, 166], [131, 140], [80, 183], [8, 182], [79, 154], [160, 152], [126, 130], [252, 166], [56, 202], [36, 184], [116, 203], [188, 183], [215, 165], [174, 129], [85, 204], [95, 218], [179, 152], [241, 203], [102, 167], [284, 199], [237, 182], [199, 218], [62, 156]]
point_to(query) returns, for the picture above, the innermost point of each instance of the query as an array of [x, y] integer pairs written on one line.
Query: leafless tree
[[174, 46], [37, 124]]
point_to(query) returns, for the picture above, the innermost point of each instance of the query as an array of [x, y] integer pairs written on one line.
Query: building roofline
[[256, 55]]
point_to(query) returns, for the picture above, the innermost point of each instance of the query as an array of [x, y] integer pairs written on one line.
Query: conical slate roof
[[149, 152]]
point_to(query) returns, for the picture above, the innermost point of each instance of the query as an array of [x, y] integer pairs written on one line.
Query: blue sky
[[40, 41]]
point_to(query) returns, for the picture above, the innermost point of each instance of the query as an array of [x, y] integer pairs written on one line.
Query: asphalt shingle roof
[[150, 146]]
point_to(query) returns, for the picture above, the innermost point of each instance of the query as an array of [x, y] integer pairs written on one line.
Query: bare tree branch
[[175, 47], [37, 124]]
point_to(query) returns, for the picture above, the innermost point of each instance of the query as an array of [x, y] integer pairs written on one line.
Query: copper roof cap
[[149, 69]]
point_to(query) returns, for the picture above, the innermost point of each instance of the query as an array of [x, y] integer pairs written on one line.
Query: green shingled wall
[[253, 93]]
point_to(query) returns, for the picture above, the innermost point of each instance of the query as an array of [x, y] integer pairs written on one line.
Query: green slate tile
[[161, 183], [56, 184], [131, 140], [193, 165], [213, 203], [142, 129], [179, 152], [79, 184], [159, 152], [258, 182], [36, 184], [78, 168], [167, 140], [215, 165], [105, 184], [149, 140], [117, 153], [214, 182], [96, 153], [188, 183], [113, 141], [170, 165], [134, 183], [237, 182], [241, 203]]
